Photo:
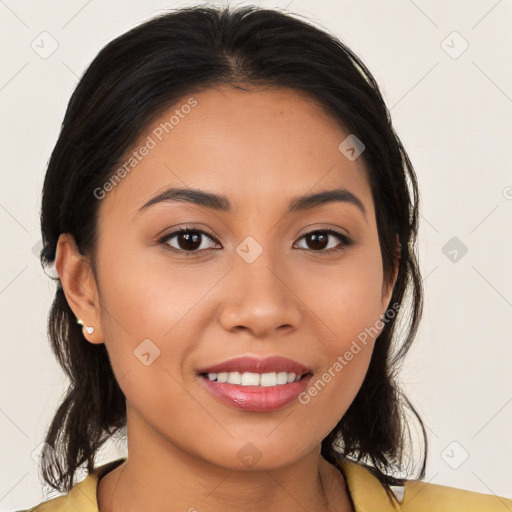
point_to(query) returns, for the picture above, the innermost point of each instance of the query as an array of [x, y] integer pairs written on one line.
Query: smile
[[253, 392]]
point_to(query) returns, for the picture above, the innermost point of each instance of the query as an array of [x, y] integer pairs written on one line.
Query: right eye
[[188, 240]]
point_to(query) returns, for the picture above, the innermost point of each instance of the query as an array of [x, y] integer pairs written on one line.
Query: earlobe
[[79, 286]]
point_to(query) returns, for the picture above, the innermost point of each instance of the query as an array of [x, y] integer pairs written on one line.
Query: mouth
[[255, 384]]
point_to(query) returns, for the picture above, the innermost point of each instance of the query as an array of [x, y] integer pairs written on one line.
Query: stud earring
[[89, 329]]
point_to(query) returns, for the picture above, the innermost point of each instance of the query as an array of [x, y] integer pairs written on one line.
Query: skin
[[260, 148]]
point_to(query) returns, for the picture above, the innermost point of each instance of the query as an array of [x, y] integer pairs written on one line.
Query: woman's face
[[254, 284]]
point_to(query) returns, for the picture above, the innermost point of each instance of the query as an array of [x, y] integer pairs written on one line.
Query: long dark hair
[[133, 79]]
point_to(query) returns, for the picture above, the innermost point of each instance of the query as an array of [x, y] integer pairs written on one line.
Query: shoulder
[[434, 497], [370, 495], [82, 497]]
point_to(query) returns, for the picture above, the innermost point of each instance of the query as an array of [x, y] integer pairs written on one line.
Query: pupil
[[315, 237], [192, 240]]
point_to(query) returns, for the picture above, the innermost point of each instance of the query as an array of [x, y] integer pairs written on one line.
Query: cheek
[[150, 320], [146, 294], [347, 297], [335, 385], [349, 308]]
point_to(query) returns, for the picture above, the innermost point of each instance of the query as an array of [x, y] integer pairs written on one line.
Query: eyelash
[[346, 241]]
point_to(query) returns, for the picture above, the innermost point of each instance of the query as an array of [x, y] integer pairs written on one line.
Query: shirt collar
[[367, 492]]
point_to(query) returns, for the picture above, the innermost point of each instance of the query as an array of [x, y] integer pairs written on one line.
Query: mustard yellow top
[[367, 492]]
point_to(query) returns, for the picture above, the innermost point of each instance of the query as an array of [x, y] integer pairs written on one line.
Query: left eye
[[319, 238]]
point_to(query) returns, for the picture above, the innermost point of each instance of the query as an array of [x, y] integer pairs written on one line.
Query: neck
[[158, 475]]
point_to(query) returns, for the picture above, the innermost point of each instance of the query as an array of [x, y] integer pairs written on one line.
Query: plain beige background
[[444, 69]]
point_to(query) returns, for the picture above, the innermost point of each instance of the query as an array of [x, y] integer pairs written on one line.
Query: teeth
[[234, 378], [255, 379], [250, 379]]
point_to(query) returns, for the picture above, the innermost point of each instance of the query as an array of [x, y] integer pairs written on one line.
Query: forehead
[[257, 147]]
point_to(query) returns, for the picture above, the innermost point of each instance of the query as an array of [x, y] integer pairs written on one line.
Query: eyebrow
[[221, 203]]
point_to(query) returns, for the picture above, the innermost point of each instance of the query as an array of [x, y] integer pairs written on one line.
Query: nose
[[260, 298]]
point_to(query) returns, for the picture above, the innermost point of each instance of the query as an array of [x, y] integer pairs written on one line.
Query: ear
[[79, 285], [387, 288]]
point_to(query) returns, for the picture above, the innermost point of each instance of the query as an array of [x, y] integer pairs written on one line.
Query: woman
[[233, 221]]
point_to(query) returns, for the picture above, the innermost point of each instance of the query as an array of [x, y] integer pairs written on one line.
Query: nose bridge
[[258, 265], [261, 297]]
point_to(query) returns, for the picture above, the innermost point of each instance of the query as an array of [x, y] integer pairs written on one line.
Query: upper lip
[[258, 365]]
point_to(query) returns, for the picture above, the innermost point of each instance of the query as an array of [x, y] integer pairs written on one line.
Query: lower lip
[[257, 398]]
